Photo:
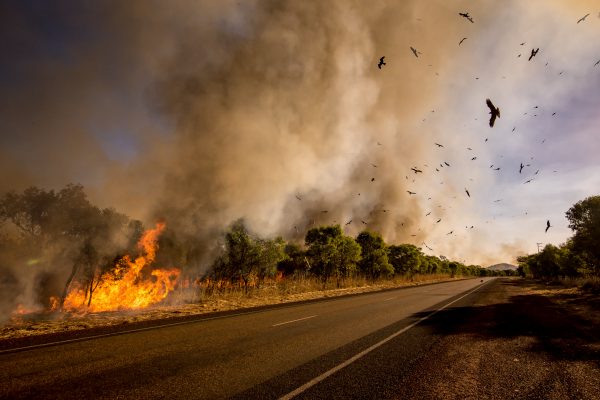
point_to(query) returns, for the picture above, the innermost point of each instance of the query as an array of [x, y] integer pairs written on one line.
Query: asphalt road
[[351, 347]]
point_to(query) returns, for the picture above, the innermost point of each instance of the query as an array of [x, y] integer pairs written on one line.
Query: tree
[[65, 226], [270, 253], [294, 260], [584, 220], [331, 253], [374, 262], [405, 258], [242, 253]]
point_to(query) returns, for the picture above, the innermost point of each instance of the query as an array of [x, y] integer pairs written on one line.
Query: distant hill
[[502, 267]]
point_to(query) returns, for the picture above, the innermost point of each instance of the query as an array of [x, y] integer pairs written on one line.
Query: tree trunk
[[68, 283]]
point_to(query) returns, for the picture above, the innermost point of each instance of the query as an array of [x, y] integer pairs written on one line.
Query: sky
[[203, 112]]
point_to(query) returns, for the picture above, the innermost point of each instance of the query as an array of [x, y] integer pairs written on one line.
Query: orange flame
[[125, 287]]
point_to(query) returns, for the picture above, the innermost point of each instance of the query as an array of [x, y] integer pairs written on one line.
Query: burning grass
[[205, 298]]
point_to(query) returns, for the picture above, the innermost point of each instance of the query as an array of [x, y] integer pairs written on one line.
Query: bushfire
[[126, 286]]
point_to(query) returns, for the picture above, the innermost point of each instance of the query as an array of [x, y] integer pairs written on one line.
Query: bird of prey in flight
[[462, 40], [466, 191], [533, 53], [409, 192], [349, 222], [450, 233], [372, 179], [583, 18], [415, 170], [428, 213], [494, 112], [415, 51], [521, 168], [381, 62], [467, 16], [438, 221], [446, 163], [597, 62], [474, 158], [548, 226], [438, 145]]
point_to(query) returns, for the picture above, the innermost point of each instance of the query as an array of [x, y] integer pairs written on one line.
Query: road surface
[[375, 345]]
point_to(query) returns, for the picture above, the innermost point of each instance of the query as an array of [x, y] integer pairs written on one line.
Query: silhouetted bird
[[363, 222], [462, 40], [514, 128], [298, 197], [548, 226], [381, 62], [438, 221], [474, 158], [468, 148], [583, 18], [486, 139], [597, 62], [409, 192], [467, 16], [428, 213], [374, 166], [449, 233], [533, 53], [446, 163], [527, 181], [427, 246], [521, 168], [554, 112], [438, 145], [349, 222], [536, 172], [522, 43], [372, 179], [415, 51], [494, 112], [416, 171], [497, 169], [466, 191]]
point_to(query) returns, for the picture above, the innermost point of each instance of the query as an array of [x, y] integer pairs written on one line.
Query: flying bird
[[349, 222], [372, 179], [449, 233], [494, 112], [415, 51], [446, 163], [466, 191], [363, 222], [462, 40], [430, 249], [467, 16], [474, 158], [533, 53], [438, 221], [298, 197], [527, 181], [497, 169], [428, 213], [583, 18], [439, 145], [416, 171], [381, 62], [521, 168], [410, 193], [597, 62], [548, 226]]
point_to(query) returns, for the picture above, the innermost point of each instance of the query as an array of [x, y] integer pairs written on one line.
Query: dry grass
[[207, 299]]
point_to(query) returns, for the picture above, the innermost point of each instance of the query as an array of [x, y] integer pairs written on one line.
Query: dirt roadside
[[522, 340]]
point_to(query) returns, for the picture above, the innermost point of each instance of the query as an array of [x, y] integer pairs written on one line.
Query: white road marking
[[335, 369], [295, 320]]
